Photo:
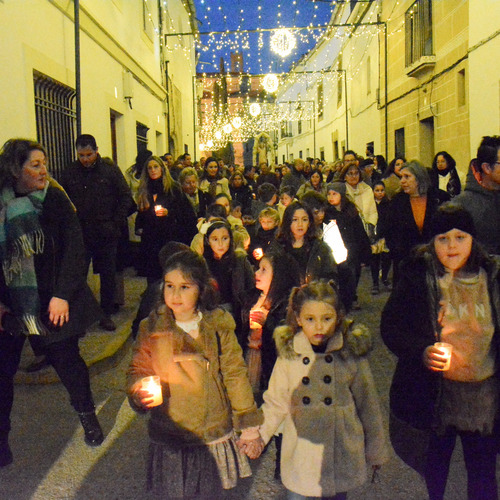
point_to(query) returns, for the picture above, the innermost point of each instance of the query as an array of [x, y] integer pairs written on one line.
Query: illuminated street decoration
[[255, 109], [270, 83], [283, 42]]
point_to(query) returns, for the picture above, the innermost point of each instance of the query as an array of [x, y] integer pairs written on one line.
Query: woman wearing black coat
[[411, 213], [241, 191], [43, 289], [165, 214], [444, 177]]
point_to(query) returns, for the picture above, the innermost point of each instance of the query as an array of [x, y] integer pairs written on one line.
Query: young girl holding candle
[[190, 345], [322, 394], [449, 292]]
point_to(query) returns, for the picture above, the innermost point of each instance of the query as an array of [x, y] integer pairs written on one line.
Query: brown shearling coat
[[206, 392]]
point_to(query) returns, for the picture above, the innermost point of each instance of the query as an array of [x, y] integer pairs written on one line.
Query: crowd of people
[[247, 319]]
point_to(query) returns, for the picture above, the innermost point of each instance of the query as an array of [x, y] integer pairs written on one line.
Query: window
[[55, 121], [141, 132], [300, 153], [147, 19], [368, 76], [320, 101], [399, 142], [322, 154], [418, 31], [336, 150]]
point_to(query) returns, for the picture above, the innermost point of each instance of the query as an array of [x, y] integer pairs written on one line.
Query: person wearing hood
[[448, 292], [481, 196]]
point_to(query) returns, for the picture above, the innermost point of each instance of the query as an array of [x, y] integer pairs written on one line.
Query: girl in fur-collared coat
[[190, 344], [322, 393]]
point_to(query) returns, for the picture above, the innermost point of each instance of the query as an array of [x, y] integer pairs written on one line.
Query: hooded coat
[[484, 206], [328, 407]]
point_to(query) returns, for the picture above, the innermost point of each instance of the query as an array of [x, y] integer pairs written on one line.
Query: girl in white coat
[[322, 393]]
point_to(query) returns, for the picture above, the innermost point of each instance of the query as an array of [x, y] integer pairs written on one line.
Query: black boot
[[93, 431], [6, 457]]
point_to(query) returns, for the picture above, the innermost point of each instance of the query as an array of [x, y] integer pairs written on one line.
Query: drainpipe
[[386, 111], [77, 69], [168, 108]]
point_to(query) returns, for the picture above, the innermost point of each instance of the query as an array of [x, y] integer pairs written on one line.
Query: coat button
[[327, 379], [328, 358], [306, 360], [306, 400], [305, 380], [328, 401]]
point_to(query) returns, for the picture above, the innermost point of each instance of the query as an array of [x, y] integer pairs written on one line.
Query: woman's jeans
[[290, 495], [64, 356], [480, 455]]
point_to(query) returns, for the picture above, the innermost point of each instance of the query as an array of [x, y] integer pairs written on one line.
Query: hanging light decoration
[[218, 135], [227, 128], [210, 143], [283, 42], [202, 147], [270, 83], [237, 122], [255, 109]]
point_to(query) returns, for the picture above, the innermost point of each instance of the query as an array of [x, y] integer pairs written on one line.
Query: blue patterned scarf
[[21, 237]]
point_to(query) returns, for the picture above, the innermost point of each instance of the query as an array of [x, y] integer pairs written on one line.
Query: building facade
[[123, 76]]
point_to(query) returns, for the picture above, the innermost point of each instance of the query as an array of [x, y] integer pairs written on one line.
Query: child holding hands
[[190, 344], [322, 393]]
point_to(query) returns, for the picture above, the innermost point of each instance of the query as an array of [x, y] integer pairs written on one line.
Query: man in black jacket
[[102, 198]]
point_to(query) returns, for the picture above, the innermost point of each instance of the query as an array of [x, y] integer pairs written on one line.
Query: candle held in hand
[[446, 350], [153, 386]]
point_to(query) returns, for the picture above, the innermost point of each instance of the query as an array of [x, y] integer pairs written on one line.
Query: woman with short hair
[[411, 213]]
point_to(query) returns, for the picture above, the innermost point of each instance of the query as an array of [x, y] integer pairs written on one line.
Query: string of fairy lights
[[248, 116]]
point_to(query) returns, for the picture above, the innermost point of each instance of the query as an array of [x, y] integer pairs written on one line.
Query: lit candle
[[157, 208], [258, 253], [153, 386], [446, 350]]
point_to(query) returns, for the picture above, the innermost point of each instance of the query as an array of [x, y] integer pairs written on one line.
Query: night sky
[[222, 15]]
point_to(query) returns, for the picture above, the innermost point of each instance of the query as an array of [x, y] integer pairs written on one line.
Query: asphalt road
[[51, 460]]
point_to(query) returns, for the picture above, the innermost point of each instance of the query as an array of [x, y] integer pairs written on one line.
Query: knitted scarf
[[21, 237]]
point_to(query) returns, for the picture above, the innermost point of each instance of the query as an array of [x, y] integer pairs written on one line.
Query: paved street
[[52, 461]]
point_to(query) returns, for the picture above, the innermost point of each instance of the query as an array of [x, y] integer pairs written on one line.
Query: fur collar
[[355, 340]]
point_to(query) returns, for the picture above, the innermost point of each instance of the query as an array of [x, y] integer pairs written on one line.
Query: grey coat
[[328, 407]]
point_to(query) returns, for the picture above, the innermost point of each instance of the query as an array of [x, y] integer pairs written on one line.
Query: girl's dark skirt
[[199, 471]]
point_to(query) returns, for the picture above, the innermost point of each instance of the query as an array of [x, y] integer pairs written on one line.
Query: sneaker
[[107, 324], [37, 364], [6, 457], [93, 431], [375, 290]]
